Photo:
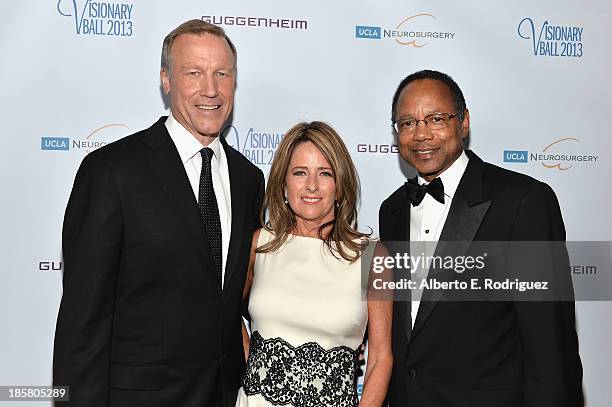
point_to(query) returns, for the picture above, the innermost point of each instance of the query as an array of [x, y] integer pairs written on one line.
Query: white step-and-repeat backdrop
[[78, 74]]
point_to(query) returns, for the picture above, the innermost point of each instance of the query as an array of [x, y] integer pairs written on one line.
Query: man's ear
[[165, 80], [465, 124]]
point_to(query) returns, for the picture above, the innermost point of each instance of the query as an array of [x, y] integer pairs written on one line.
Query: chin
[[313, 217], [210, 132], [427, 170]]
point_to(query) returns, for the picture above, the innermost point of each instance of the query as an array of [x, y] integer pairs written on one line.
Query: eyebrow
[[409, 116], [305, 168], [197, 66]]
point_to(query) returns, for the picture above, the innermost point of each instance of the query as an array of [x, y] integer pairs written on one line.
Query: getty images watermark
[[488, 271]]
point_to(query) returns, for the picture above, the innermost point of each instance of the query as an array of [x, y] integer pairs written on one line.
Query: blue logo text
[[511, 156], [552, 40], [55, 143], [364, 31]]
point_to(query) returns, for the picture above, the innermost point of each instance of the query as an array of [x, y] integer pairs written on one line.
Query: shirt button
[[426, 230], [412, 373]]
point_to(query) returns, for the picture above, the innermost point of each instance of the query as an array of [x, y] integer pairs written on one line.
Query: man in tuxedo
[[156, 244], [472, 353]]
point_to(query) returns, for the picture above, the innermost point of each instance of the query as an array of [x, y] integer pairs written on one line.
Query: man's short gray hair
[[194, 26]]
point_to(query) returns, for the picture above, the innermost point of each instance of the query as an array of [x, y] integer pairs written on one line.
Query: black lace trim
[[303, 376]]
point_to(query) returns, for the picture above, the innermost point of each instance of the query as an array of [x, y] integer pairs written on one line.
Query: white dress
[[309, 315]]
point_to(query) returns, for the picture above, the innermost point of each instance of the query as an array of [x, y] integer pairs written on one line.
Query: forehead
[[429, 95], [209, 47], [307, 153]]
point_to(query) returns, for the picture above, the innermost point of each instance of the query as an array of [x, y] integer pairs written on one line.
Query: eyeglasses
[[435, 121]]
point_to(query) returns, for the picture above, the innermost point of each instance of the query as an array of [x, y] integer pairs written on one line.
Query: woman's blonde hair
[[343, 238]]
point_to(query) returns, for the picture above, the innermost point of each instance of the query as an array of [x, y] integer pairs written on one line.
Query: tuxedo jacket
[[495, 353], [143, 320]]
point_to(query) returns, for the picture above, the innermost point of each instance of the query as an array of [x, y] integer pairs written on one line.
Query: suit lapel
[[468, 208], [166, 164], [237, 187]]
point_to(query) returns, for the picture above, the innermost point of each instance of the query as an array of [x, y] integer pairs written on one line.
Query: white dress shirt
[[428, 218], [189, 150]]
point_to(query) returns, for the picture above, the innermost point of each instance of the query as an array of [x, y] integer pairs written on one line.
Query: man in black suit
[[156, 243], [470, 353]]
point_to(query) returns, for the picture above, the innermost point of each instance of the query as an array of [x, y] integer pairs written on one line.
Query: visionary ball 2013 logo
[[551, 40], [416, 31], [99, 18], [257, 146]]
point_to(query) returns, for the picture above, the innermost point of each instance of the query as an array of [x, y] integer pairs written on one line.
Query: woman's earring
[[337, 204], [286, 200]]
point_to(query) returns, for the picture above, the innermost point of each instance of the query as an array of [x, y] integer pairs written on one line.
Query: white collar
[[186, 143]]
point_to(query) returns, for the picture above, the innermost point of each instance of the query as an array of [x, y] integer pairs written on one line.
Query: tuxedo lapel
[[237, 187], [166, 164], [468, 208]]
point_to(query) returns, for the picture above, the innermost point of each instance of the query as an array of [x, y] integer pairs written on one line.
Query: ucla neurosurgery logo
[[97, 138], [55, 143], [415, 31], [256, 145], [365, 31], [552, 40], [512, 156], [98, 18], [561, 155]]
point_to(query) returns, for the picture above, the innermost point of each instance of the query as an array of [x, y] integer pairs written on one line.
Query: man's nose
[[208, 86], [422, 132]]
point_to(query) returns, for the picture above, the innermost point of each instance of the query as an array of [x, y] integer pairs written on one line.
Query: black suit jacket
[[486, 353], [143, 320]]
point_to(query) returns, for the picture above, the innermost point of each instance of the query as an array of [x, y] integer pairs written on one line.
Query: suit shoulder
[[502, 179], [397, 198], [124, 148]]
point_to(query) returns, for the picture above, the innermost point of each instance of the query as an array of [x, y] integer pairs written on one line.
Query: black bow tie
[[417, 192]]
